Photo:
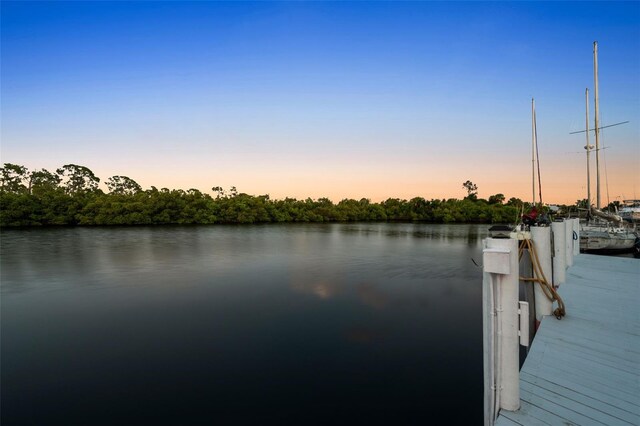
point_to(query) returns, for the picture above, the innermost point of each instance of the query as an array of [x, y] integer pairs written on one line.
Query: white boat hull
[[630, 215], [606, 240]]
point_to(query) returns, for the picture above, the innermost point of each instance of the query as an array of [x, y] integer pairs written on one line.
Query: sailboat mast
[[597, 127], [588, 148], [533, 148]]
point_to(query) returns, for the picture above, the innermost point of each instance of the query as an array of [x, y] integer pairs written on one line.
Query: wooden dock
[[585, 368]]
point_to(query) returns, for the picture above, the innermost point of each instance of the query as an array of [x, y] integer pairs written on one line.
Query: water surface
[[274, 324]]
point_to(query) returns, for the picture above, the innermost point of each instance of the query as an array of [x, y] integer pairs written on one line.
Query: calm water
[[291, 324]]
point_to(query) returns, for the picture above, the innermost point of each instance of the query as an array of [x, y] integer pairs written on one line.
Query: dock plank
[[530, 414], [611, 405], [602, 373], [571, 414], [625, 400], [578, 403], [623, 362]]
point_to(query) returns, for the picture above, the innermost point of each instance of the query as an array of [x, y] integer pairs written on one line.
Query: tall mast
[[533, 148], [597, 127], [588, 148]]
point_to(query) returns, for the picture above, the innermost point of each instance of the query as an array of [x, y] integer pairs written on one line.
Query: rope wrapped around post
[[540, 278]]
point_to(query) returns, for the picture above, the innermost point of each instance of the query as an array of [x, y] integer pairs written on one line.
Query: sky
[[324, 99]]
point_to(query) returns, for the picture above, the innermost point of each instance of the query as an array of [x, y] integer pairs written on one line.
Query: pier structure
[[581, 369]]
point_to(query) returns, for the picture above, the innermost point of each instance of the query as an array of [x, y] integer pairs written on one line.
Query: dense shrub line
[[71, 197]]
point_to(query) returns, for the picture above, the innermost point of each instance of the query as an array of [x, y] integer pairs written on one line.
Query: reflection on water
[[293, 324]]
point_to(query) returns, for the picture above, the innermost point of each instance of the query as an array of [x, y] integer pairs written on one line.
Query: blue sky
[[338, 99]]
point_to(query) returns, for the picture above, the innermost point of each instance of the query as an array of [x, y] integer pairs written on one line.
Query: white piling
[[541, 237], [576, 236], [500, 327], [568, 242], [559, 252]]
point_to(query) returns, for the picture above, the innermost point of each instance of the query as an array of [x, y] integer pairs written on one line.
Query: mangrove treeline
[[71, 196]]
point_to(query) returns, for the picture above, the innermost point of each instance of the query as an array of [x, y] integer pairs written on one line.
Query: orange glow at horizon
[[563, 182]]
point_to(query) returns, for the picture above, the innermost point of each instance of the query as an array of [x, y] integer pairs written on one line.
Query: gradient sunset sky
[[311, 99]]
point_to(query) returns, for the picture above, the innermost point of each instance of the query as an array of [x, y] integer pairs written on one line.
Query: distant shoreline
[[220, 224], [71, 196]]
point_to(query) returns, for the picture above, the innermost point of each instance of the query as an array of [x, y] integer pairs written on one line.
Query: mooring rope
[[539, 277]]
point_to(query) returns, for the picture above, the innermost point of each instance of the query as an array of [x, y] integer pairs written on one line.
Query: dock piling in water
[[541, 237], [576, 236], [568, 242]]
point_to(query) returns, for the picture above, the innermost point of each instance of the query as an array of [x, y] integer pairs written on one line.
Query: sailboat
[[602, 231], [630, 211]]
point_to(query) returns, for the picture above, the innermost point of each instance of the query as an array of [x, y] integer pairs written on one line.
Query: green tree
[[41, 181], [496, 199], [123, 185], [219, 191], [78, 179], [515, 202], [12, 177], [582, 204], [472, 190]]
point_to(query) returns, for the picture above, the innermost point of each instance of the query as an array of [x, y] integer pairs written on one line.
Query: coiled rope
[[539, 277]]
